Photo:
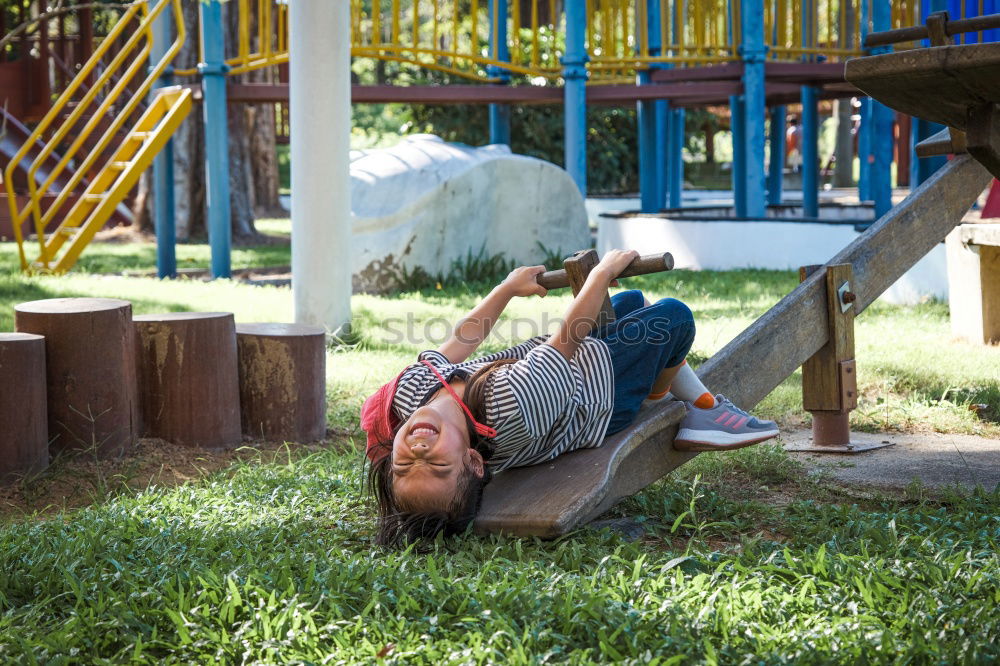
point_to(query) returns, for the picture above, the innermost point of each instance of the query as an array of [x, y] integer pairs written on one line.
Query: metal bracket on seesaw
[[829, 377]]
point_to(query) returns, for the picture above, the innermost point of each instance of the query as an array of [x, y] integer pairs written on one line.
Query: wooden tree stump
[[24, 437], [90, 371], [188, 379], [282, 381]]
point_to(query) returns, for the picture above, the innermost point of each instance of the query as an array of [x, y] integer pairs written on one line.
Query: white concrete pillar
[[320, 101]]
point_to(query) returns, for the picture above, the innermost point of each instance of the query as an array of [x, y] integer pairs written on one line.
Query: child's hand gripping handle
[[647, 263]]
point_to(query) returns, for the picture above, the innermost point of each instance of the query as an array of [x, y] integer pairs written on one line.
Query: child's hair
[[397, 525]]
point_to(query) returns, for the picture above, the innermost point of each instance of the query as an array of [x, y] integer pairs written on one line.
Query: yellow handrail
[[35, 191], [33, 207]]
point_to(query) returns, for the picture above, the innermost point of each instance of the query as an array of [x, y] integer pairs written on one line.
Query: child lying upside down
[[445, 425]]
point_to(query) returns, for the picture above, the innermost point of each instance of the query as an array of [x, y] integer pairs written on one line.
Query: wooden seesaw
[[551, 499]]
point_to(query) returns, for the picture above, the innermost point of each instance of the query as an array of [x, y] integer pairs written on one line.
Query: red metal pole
[[903, 122], [85, 17]]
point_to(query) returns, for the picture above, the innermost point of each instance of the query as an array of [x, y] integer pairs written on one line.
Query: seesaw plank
[[549, 500], [775, 345], [939, 83]]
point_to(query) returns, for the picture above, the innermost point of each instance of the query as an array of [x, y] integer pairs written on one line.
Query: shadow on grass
[[15, 289]]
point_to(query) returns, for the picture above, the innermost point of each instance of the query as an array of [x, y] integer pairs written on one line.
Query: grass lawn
[[745, 557]]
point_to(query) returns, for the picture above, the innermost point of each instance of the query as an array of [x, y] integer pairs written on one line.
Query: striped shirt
[[541, 406]]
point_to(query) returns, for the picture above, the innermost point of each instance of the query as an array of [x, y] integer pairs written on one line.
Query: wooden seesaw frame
[[551, 499]]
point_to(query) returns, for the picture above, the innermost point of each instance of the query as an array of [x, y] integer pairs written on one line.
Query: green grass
[[745, 558], [273, 563], [112, 257]]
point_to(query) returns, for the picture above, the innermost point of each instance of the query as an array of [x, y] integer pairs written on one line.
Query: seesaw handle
[[647, 263]]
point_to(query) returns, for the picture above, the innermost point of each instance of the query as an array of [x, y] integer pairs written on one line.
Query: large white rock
[[425, 204]]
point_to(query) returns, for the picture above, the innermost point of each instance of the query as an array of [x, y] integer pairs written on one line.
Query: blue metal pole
[[663, 139], [676, 156], [883, 118], [810, 152], [776, 169], [499, 50], [991, 7], [575, 93], [675, 140], [213, 84], [650, 195], [661, 109], [738, 128], [649, 201], [754, 52], [163, 164]]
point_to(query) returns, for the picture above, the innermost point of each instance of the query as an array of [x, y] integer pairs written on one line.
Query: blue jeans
[[643, 340]]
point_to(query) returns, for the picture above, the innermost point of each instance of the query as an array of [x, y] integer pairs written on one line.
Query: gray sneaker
[[721, 428]]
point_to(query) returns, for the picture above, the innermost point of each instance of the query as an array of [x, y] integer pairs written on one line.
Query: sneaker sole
[[700, 440]]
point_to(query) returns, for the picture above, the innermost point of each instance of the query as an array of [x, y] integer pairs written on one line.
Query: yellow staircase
[[135, 154], [111, 86]]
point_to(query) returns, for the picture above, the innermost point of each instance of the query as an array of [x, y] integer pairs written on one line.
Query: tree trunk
[[142, 205], [189, 382], [93, 401], [189, 163], [843, 170], [260, 119], [240, 176], [240, 173]]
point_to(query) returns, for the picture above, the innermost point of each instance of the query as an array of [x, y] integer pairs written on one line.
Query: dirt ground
[[79, 479]]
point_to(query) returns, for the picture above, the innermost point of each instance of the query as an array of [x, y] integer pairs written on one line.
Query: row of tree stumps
[[84, 374]]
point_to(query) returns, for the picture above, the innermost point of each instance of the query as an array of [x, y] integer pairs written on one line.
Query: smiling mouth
[[423, 430]]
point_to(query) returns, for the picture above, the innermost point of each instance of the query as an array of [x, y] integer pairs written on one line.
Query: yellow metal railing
[[133, 156], [690, 33], [453, 37], [262, 39], [132, 56]]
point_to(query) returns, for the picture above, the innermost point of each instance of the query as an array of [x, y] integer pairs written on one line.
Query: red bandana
[[380, 423]]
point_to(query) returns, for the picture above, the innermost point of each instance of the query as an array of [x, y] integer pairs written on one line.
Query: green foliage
[[284, 168], [612, 142]]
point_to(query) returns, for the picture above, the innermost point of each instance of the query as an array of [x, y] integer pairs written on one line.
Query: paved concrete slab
[[935, 459]]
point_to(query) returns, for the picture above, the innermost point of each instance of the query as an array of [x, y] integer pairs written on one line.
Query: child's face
[[429, 454]]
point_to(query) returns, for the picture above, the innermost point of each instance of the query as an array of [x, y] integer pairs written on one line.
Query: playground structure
[[551, 499], [103, 130]]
